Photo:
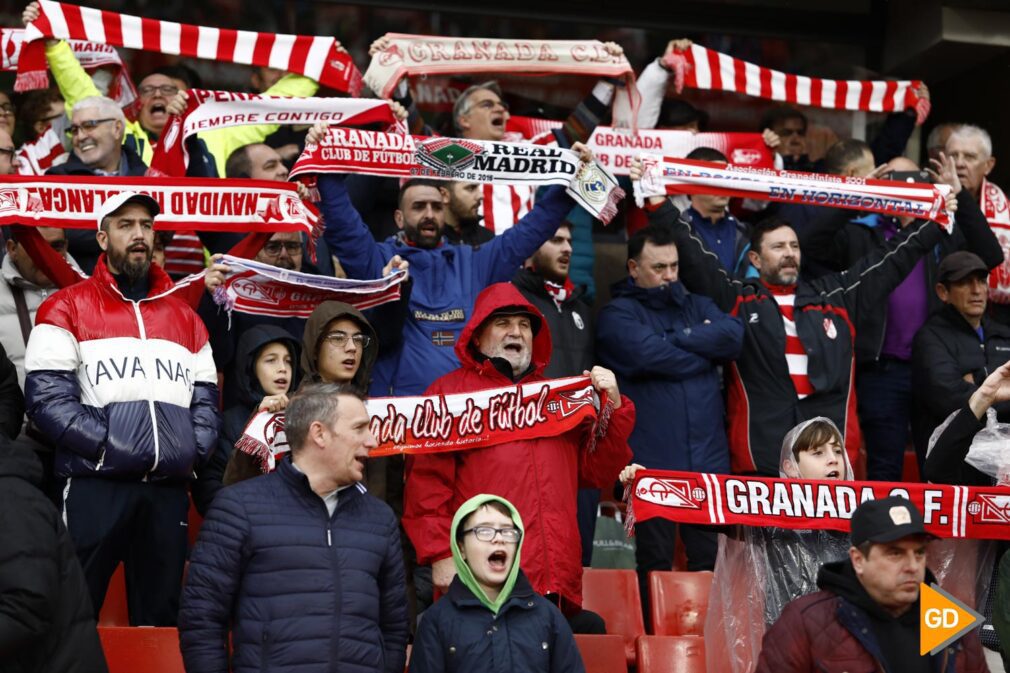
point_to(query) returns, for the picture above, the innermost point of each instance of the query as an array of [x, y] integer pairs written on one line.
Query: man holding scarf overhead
[[506, 342]]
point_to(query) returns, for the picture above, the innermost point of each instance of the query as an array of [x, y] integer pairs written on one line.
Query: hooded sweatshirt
[[463, 570], [323, 315]]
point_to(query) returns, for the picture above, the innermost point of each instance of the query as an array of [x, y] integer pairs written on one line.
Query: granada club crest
[[670, 492], [568, 403], [829, 328], [991, 509], [247, 288], [448, 155]]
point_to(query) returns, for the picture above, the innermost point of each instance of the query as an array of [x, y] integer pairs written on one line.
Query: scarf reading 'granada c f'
[[319, 58], [239, 206], [977, 512], [409, 55], [344, 150], [210, 110], [461, 421], [686, 176], [701, 68]]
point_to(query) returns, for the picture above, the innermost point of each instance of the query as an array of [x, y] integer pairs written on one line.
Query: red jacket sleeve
[[601, 468]]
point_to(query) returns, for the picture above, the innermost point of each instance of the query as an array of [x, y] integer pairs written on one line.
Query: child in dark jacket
[[491, 619]]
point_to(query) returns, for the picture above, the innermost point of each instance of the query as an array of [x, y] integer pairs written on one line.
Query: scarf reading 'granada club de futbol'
[[344, 150], [319, 58], [978, 512], [210, 110], [701, 68], [408, 55], [240, 206], [462, 421], [661, 176]]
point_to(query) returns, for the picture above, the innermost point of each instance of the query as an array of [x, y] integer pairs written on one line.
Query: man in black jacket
[[797, 359], [46, 622], [957, 348]]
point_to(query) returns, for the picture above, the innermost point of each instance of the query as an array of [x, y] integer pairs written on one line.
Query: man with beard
[[120, 377], [799, 336], [462, 213], [446, 277]]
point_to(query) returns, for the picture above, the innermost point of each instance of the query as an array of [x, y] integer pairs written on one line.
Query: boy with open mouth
[[491, 619]]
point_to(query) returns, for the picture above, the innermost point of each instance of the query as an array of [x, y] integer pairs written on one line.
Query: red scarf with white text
[[994, 206]]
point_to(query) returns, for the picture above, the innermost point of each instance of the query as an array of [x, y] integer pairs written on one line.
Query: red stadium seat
[[115, 611], [602, 654], [141, 649], [671, 654], [613, 594], [679, 602]]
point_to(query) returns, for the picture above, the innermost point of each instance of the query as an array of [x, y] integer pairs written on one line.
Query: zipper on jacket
[[329, 536], [150, 402]]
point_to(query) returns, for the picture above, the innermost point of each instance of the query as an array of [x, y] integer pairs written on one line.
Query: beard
[[285, 263], [134, 270], [424, 240], [520, 360], [785, 275]]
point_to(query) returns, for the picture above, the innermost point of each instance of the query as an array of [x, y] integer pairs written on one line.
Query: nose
[[566, 246], [370, 441], [282, 173]]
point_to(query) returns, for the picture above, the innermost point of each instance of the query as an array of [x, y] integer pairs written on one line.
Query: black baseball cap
[[959, 265], [886, 520]]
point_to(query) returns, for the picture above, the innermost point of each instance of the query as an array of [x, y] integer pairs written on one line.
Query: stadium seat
[[115, 611], [678, 602], [671, 654], [613, 594], [602, 654], [143, 649]]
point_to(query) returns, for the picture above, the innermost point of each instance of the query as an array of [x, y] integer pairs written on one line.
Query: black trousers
[[654, 546], [143, 525]]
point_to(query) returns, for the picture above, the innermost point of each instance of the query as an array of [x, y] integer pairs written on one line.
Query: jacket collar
[[520, 598], [158, 281], [297, 480]]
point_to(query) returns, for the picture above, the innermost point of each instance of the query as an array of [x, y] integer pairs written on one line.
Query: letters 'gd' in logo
[[447, 154], [942, 619]]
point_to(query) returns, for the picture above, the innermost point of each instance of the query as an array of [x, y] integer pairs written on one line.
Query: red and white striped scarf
[[994, 205], [701, 68], [41, 154], [238, 206], [262, 289], [663, 176], [91, 56], [320, 58], [409, 55], [209, 110], [796, 355], [345, 150]]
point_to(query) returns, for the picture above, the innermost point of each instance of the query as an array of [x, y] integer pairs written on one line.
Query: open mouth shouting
[[833, 474], [497, 561]]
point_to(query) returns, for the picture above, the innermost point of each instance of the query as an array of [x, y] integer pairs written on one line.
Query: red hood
[[495, 297]]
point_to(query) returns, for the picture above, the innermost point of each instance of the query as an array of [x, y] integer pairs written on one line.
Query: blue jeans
[[885, 409]]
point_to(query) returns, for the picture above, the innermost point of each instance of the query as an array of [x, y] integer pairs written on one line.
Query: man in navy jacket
[[665, 346], [301, 567]]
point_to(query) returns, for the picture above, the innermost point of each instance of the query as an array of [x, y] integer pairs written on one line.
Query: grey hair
[[462, 104], [313, 402], [105, 106], [933, 139], [969, 131]]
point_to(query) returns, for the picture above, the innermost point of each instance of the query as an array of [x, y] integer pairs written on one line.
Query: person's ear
[[11, 247], [942, 293], [755, 259], [102, 237], [398, 218], [318, 433], [990, 164], [633, 269], [858, 560], [463, 122]]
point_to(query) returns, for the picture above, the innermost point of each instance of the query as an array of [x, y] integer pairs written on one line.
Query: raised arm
[[346, 233]]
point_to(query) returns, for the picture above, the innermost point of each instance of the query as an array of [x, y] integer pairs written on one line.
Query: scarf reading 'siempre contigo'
[[319, 58]]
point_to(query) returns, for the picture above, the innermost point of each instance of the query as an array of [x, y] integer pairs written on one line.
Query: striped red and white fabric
[[796, 356], [38, 156], [184, 255], [701, 68], [504, 205], [319, 58]]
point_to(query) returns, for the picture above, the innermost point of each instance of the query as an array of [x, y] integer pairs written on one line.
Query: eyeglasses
[[166, 90], [6, 109], [785, 133], [490, 105], [487, 533], [88, 126], [9, 151], [273, 248], [338, 339]]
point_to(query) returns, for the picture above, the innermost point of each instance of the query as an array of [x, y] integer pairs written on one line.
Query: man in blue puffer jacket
[[447, 278], [301, 567], [120, 376]]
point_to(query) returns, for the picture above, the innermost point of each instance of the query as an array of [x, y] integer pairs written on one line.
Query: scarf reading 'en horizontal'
[[203, 204], [263, 289], [345, 150], [458, 422], [409, 55], [662, 176], [721, 499], [320, 58], [701, 68]]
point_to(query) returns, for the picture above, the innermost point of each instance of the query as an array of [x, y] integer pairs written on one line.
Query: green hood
[[463, 570]]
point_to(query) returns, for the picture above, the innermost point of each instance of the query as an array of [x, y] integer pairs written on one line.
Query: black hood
[[248, 389], [20, 462]]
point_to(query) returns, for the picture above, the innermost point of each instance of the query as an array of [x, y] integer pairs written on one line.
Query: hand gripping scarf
[[319, 58], [981, 512], [409, 55], [701, 68], [345, 150], [684, 176], [210, 110]]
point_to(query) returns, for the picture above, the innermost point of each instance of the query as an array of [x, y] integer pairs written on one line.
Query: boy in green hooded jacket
[[490, 619]]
